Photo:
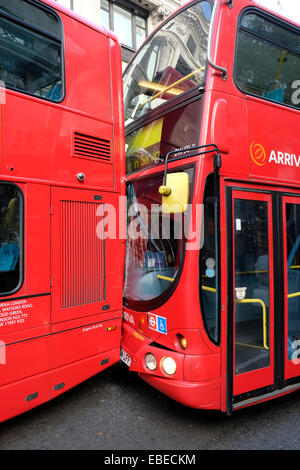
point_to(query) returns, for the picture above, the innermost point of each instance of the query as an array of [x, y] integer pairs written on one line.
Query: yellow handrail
[[259, 301], [159, 87], [183, 79], [165, 278], [252, 301], [296, 294], [169, 87], [209, 289]]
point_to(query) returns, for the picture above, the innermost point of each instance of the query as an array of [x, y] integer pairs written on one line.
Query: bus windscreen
[[172, 62]]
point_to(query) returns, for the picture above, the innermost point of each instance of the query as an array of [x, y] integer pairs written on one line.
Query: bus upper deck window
[[30, 50], [170, 63], [268, 59], [10, 238]]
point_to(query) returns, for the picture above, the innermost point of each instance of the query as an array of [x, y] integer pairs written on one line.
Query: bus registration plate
[[125, 357]]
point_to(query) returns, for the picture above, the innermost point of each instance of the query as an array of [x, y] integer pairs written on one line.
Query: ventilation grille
[[91, 147], [83, 254]]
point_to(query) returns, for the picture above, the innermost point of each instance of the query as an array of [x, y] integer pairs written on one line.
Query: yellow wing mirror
[[175, 193]]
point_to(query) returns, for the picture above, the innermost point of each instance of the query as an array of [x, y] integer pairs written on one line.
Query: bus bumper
[[205, 396], [182, 386]]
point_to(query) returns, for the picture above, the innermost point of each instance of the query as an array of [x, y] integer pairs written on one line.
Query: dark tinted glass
[[293, 276], [268, 60], [155, 243], [10, 238], [30, 51], [209, 294], [252, 286], [148, 146], [172, 62], [31, 15]]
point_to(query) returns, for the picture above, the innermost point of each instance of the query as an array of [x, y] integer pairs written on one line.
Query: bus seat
[[9, 255], [275, 94], [55, 94]]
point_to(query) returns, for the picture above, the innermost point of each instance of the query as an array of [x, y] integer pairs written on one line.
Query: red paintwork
[[58, 343], [232, 121]]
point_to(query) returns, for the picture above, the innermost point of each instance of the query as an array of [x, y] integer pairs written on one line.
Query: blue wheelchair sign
[[162, 325]]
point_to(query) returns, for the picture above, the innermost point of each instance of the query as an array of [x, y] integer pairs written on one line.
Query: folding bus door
[[291, 266], [251, 304]]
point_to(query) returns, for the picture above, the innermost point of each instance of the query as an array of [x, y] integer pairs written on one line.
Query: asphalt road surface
[[118, 411]]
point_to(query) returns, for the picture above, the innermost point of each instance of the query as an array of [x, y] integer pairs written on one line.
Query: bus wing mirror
[[175, 193]]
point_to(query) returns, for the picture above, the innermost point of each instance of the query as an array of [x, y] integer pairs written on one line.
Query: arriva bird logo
[[258, 154]]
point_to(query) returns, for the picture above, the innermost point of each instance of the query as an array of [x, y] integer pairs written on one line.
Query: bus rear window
[[30, 50], [268, 60]]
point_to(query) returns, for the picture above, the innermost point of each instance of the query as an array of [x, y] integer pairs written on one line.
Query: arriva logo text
[[284, 158], [259, 156]]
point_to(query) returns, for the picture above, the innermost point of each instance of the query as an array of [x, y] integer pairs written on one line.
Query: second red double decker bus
[[212, 286], [61, 168]]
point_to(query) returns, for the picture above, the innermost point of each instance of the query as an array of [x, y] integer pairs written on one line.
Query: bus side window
[[31, 50], [10, 238], [268, 59], [209, 262]]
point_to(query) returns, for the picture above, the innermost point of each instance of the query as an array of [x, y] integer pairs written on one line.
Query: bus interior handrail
[[251, 301], [259, 301], [295, 294]]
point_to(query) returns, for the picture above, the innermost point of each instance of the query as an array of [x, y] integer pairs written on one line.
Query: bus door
[[250, 296], [291, 266]]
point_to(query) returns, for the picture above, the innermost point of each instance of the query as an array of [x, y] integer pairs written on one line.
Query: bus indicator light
[[182, 341]]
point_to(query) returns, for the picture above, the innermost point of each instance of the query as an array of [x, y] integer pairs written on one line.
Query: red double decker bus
[[62, 159], [211, 314]]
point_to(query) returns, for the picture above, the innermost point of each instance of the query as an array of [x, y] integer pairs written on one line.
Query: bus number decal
[[128, 317]]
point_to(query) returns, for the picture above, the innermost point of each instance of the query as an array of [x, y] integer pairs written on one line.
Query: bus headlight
[[150, 361], [169, 365]]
